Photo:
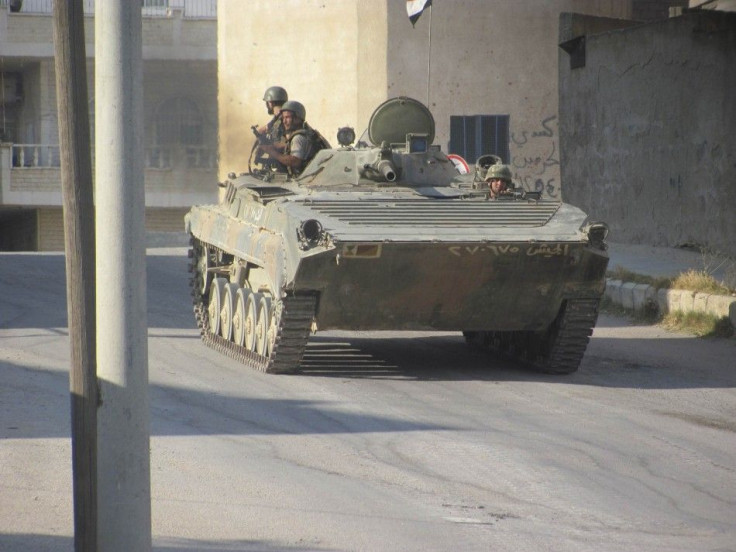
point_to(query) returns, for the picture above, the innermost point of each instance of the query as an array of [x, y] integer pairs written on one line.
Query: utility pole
[[124, 504], [79, 244]]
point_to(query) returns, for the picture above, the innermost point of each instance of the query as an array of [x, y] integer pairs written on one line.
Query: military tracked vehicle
[[388, 235]]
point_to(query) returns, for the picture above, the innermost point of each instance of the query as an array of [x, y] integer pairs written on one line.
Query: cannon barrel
[[387, 170]]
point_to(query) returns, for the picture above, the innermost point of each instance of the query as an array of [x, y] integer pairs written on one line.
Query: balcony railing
[[199, 9], [36, 156]]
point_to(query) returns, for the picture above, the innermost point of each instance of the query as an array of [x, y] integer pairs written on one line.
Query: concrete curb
[[643, 297]]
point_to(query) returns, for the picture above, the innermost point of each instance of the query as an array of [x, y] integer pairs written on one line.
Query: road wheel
[[263, 324], [214, 306], [239, 317], [204, 263], [251, 320], [227, 313]]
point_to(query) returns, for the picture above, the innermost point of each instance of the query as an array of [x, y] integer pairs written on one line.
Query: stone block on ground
[[687, 301], [639, 294], [700, 302], [669, 300], [720, 305], [627, 295], [662, 303], [613, 291]]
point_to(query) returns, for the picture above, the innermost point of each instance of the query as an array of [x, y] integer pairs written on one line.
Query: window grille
[[474, 135]]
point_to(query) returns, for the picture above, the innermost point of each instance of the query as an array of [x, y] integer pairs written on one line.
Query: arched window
[[178, 121]]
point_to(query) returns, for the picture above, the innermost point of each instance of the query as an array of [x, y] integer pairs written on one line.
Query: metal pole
[[79, 245], [429, 55], [122, 351]]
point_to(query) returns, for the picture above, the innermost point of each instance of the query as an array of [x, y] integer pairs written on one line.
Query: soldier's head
[[275, 96], [293, 115], [498, 178]]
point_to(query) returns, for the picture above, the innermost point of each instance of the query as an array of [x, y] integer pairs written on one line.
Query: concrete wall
[[46, 225], [646, 131], [194, 81], [328, 54], [35, 187], [341, 58]]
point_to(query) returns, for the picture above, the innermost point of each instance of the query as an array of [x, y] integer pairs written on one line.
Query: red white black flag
[[414, 9]]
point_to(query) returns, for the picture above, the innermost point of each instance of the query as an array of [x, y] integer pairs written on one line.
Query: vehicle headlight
[[310, 232]]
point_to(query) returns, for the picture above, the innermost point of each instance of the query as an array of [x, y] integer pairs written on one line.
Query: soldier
[[498, 179], [302, 141], [273, 131]]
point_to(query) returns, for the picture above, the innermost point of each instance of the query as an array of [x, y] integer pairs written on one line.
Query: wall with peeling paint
[[646, 130]]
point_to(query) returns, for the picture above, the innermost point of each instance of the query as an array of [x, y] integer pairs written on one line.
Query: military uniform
[[304, 143], [275, 130]]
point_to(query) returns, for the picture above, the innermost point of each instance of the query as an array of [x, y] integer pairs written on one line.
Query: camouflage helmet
[[275, 94], [499, 171], [296, 108]]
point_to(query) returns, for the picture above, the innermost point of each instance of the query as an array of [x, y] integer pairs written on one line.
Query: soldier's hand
[[279, 146], [260, 135], [267, 149]]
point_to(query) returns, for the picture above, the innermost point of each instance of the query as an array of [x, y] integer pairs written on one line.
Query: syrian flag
[[414, 9]]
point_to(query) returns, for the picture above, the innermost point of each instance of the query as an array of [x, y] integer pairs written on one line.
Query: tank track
[[559, 350], [297, 314]]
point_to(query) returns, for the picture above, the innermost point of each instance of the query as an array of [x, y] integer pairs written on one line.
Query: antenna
[[414, 9]]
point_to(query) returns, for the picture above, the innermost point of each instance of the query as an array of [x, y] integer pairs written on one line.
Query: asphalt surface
[[385, 441]]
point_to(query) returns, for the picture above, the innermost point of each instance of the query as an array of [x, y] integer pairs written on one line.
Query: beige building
[[180, 91], [486, 68]]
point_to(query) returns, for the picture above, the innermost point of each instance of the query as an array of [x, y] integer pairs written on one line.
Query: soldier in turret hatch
[[302, 142], [275, 97], [498, 179]]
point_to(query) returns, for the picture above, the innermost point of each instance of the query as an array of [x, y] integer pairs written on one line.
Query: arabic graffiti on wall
[[536, 162]]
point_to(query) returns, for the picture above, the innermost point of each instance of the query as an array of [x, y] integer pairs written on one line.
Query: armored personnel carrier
[[388, 235]]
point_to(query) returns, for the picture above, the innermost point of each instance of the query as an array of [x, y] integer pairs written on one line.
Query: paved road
[[385, 442]]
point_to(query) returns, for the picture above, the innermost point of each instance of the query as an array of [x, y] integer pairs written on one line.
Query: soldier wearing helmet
[[275, 97], [302, 142], [498, 178]]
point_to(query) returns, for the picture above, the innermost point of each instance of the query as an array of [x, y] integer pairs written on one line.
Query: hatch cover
[[397, 117]]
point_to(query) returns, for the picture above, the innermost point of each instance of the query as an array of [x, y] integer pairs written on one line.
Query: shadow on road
[[36, 406], [35, 399], [33, 287], [428, 358], [650, 363]]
